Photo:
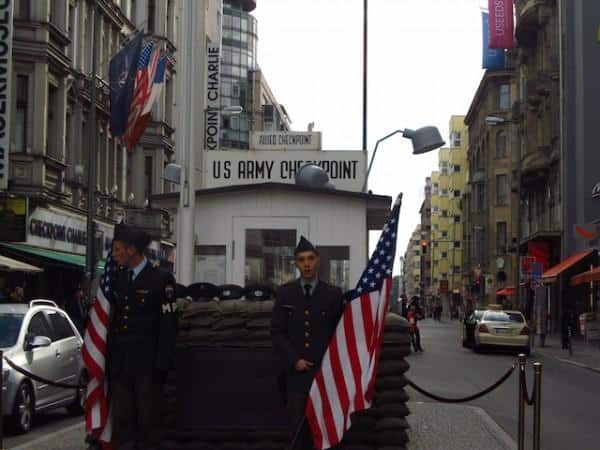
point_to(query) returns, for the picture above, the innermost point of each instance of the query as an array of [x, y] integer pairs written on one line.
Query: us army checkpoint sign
[[6, 26], [346, 169]]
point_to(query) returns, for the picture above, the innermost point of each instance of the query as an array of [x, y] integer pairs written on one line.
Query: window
[[501, 144], [444, 193], [38, 326], [480, 195], [335, 265], [504, 96], [456, 219], [20, 138], [501, 190], [22, 9], [456, 168], [148, 165], [269, 256], [52, 144], [211, 264], [444, 254], [456, 269], [60, 324], [501, 238], [455, 139], [456, 244], [456, 193], [444, 234], [151, 15], [444, 213]]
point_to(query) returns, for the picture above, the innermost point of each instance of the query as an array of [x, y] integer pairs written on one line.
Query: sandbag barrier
[[247, 324]]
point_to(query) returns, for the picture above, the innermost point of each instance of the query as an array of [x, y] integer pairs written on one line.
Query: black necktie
[[130, 276], [307, 288]]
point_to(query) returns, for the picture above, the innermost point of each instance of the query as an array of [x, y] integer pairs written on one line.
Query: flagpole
[[90, 262]]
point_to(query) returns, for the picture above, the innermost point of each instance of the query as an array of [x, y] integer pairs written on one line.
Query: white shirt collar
[[137, 269]]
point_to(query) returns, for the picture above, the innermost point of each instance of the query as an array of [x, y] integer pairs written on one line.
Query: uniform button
[[307, 334], [126, 298], [126, 307], [124, 327], [143, 301], [306, 344], [125, 317], [306, 312], [307, 323]]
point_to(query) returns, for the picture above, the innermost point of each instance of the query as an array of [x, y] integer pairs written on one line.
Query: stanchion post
[[537, 404], [521, 430]]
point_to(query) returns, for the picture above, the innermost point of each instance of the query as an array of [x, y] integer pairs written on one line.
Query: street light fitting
[[172, 173], [232, 110], [495, 120], [424, 140]]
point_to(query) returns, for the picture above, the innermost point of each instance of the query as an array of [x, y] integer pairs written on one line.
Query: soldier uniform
[[141, 344], [304, 320]]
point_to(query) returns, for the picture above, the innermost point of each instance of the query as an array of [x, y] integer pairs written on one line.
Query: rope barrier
[[40, 379], [464, 399], [529, 400]]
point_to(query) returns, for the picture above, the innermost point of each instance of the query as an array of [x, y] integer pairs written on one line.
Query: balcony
[[537, 88], [535, 166], [153, 221], [530, 17]]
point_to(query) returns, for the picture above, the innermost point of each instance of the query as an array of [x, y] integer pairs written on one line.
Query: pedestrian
[[415, 334], [305, 317], [141, 342], [18, 294]]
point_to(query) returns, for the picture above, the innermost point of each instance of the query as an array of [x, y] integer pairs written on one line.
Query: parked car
[[468, 329], [502, 328], [42, 339]]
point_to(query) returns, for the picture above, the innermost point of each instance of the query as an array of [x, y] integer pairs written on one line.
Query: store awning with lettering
[[63, 258], [552, 273]]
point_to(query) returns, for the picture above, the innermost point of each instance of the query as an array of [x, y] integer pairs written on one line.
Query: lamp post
[[185, 175], [423, 140], [493, 121]]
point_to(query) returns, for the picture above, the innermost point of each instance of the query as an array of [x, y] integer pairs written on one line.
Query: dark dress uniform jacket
[[301, 328], [143, 325]]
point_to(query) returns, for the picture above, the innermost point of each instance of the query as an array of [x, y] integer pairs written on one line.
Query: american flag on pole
[[93, 352], [345, 381], [142, 88]]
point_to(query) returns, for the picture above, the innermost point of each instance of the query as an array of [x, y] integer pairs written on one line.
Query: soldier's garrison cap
[[258, 292], [230, 292], [304, 245], [132, 236], [203, 291]]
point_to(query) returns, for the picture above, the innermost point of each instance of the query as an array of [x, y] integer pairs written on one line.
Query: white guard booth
[[250, 214]]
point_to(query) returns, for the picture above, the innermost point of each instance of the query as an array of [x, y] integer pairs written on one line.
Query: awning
[[507, 291], [586, 277], [70, 259], [12, 265], [551, 274]]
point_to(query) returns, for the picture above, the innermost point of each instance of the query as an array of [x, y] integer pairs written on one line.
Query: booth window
[[335, 265], [211, 264], [270, 256]]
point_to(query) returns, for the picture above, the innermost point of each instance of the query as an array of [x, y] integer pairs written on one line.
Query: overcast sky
[[424, 66]]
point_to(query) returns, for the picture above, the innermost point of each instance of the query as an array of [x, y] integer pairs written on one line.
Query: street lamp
[[423, 140], [493, 121]]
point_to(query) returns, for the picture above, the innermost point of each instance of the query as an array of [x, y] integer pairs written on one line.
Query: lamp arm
[[364, 189]]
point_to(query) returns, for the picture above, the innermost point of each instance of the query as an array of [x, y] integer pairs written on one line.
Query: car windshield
[[478, 315], [497, 316], [10, 325]]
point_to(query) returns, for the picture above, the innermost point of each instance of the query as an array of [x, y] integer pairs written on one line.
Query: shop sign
[[6, 28], [285, 140], [213, 98], [53, 229], [346, 169]]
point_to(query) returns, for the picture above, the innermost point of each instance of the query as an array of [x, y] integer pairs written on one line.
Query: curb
[[496, 430], [567, 361], [48, 437]]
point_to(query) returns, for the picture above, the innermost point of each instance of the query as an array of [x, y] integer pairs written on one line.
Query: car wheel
[[23, 410], [77, 407]]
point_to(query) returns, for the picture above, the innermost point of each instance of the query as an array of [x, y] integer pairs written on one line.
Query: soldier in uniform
[[305, 317], [141, 342]]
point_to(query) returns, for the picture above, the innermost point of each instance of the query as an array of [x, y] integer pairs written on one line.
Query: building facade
[[490, 230], [425, 212], [412, 265]]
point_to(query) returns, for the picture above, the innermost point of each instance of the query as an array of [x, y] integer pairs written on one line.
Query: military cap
[[304, 245], [230, 292], [203, 291], [181, 291], [132, 235], [258, 292]]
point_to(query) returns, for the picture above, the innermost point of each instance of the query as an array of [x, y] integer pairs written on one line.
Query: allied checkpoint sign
[[346, 168], [6, 28]]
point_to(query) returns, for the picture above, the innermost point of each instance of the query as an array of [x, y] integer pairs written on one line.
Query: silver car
[[40, 338]]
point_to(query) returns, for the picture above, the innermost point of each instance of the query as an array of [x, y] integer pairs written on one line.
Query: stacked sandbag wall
[[242, 323]]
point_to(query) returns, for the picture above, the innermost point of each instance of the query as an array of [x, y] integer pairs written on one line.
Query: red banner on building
[[501, 24]]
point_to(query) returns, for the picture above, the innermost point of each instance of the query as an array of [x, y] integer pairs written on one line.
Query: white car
[[40, 338], [503, 328]]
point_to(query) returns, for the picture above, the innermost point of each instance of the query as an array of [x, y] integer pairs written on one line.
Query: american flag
[[142, 87], [93, 352], [346, 380]]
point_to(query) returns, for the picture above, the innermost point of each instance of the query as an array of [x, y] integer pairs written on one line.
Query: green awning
[[54, 255]]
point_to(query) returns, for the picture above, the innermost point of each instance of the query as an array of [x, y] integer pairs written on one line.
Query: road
[[570, 413], [53, 422]]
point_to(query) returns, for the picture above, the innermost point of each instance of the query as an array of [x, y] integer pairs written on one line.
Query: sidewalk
[[585, 355], [436, 426]]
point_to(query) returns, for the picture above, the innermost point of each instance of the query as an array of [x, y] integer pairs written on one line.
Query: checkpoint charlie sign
[[6, 26], [285, 140], [346, 169]]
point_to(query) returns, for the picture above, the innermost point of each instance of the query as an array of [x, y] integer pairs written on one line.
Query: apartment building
[[412, 265]]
